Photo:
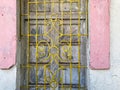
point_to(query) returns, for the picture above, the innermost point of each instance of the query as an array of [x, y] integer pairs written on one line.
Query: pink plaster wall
[[99, 34], [7, 33]]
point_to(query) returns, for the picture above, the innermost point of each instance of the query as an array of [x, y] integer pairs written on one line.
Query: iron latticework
[[53, 38]]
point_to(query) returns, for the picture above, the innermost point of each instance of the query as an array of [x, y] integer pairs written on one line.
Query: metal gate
[[53, 39]]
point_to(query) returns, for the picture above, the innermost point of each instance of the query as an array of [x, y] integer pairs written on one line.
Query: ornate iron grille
[[53, 40]]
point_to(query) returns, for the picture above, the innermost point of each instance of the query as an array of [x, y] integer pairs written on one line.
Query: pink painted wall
[[7, 33], [99, 34]]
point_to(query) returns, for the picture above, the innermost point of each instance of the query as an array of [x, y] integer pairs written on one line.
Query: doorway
[[53, 37]]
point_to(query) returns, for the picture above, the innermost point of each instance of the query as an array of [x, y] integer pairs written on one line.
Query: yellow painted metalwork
[[50, 76]]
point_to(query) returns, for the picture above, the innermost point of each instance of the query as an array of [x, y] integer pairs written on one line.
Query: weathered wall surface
[[110, 79], [8, 79], [7, 44], [98, 79], [8, 33], [99, 20]]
